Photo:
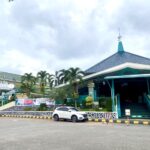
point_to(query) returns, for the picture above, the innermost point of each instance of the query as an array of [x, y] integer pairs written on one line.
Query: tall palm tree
[[42, 78], [27, 83], [56, 78], [63, 75], [50, 81], [74, 76]]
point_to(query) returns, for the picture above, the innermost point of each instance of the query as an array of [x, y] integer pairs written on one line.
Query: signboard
[[34, 102], [102, 115], [127, 112], [6, 86], [24, 102]]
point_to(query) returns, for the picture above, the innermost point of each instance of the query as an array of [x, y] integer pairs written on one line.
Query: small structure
[[125, 78], [8, 82]]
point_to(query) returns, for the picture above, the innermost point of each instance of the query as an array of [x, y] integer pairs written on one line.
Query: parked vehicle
[[69, 113]]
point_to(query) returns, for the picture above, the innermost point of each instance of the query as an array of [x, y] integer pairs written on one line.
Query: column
[[113, 95], [91, 86], [148, 90]]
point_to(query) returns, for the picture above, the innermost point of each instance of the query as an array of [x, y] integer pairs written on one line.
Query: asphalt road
[[30, 134]]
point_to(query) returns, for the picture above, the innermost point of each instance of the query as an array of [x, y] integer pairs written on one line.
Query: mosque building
[[123, 76]]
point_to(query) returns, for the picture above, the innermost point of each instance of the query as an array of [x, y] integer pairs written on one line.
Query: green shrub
[[28, 109], [42, 107], [83, 104], [106, 103], [70, 102], [89, 101]]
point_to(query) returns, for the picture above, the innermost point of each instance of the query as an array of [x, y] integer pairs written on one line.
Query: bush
[[106, 103], [89, 101], [27, 109], [42, 107], [70, 102], [83, 104]]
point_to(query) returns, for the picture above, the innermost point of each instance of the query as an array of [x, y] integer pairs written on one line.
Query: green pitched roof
[[118, 58]]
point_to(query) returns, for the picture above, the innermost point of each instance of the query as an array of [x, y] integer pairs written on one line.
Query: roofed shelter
[[125, 77]]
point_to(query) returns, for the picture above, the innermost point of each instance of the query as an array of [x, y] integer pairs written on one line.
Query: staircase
[[8, 105], [137, 110]]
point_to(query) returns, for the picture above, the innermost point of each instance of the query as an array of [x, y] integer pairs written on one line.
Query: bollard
[[111, 121], [135, 122], [96, 120], [103, 120], [145, 122], [118, 121]]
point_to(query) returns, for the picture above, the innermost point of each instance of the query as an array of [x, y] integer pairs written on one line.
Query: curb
[[118, 121], [27, 116]]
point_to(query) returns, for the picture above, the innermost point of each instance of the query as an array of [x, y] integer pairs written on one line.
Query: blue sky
[[57, 34]]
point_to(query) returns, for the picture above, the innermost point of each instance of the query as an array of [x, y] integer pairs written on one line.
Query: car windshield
[[74, 109]]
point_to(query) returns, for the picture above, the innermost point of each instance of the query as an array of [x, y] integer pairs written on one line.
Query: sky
[[50, 35]]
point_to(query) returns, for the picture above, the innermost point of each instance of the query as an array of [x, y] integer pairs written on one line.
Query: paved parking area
[[30, 134]]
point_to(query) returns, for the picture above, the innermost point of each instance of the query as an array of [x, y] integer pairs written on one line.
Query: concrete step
[[8, 105]]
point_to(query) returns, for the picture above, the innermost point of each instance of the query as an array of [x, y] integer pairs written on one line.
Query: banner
[[24, 102], [6, 86], [35, 102], [47, 101]]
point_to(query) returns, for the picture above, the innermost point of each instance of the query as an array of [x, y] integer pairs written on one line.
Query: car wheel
[[56, 118], [74, 119]]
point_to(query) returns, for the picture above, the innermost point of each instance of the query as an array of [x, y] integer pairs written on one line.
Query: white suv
[[69, 113]]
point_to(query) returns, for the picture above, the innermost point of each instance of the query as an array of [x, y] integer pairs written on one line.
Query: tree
[[61, 93], [63, 75], [50, 81], [42, 77], [58, 93], [27, 83], [56, 78], [74, 76]]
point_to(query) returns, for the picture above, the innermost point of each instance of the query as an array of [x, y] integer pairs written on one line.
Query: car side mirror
[[69, 110]]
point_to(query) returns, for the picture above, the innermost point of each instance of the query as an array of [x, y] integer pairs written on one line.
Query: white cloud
[[21, 62], [52, 35]]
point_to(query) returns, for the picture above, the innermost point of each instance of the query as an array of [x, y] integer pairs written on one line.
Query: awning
[[128, 76]]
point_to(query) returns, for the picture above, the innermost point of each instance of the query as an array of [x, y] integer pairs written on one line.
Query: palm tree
[[50, 81], [63, 75], [27, 82], [42, 77], [74, 76], [56, 78]]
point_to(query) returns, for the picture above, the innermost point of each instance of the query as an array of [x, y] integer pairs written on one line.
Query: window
[[63, 109], [74, 109]]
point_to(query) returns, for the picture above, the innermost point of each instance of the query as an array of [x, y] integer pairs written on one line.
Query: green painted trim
[[128, 76]]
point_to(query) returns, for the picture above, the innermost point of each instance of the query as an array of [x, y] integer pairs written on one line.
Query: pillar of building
[[148, 88], [91, 86], [113, 95]]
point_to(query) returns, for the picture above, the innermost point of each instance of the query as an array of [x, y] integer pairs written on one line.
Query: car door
[[60, 112], [66, 113]]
